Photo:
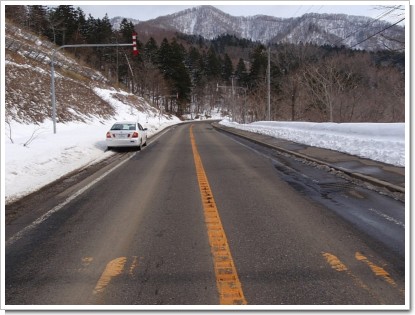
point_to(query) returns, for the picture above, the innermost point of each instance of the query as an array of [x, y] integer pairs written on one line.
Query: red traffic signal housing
[[135, 50]]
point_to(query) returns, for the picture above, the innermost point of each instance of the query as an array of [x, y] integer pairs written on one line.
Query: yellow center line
[[227, 281]]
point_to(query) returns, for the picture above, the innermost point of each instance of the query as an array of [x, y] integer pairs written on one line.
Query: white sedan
[[126, 134]]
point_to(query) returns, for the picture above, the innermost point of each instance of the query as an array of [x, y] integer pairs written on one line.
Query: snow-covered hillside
[[35, 156], [87, 106]]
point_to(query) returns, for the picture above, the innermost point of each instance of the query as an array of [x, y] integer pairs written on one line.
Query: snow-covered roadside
[[376, 141], [48, 156], [35, 156]]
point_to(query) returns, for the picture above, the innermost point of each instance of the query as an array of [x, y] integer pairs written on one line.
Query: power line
[[367, 25], [309, 8], [295, 13], [377, 33], [320, 8], [299, 9]]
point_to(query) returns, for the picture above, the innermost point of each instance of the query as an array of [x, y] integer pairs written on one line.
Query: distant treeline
[[189, 74]]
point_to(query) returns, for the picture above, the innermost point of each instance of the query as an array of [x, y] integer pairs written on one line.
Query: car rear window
[[123, 127]]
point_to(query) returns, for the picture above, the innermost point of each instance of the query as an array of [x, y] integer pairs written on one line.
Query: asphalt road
[[162, 229]]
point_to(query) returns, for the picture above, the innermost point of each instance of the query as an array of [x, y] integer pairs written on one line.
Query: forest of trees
[[188, 74]]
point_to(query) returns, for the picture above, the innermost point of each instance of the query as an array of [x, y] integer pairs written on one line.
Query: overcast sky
[[153, 9]]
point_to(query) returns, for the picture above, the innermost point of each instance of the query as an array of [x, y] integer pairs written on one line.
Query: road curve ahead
[[196, 218]]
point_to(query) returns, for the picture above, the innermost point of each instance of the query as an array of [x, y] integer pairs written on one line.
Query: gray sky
[[143, 12]]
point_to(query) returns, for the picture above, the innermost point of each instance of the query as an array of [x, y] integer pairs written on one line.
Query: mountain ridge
[[315, 28]]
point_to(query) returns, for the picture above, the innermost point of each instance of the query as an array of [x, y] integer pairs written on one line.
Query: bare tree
[[9, 131], [35, 134], [322, 81]]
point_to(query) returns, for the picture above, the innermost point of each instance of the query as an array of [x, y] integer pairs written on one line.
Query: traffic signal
[[135, 50]]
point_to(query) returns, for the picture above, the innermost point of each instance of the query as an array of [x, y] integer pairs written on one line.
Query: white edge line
[[41, 219]]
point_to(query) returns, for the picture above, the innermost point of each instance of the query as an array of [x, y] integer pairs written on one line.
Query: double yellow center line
[[228, 284]]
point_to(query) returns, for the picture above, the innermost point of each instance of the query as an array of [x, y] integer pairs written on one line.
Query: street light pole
[[52, 72]]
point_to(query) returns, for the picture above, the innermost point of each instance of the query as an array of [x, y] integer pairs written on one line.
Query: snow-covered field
[[37, 156]]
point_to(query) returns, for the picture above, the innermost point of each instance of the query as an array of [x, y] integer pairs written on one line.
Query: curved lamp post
[[52, 72]]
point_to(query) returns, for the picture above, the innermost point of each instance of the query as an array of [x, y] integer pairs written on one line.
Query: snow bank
[[376, 141], [35, 156]]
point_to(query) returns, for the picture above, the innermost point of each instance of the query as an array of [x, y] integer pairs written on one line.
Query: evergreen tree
[[64, 24], [180, 75], [38, 19], [88, 29], [172, 65], [104, 31], [81, 21], [126, 30], [227, 68], [151, 51], [164, 58], [259, 64], [194, 62], [213, 65], [241, 73]]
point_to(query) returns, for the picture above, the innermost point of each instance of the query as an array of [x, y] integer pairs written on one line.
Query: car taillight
[[108, 134], [135, 135]]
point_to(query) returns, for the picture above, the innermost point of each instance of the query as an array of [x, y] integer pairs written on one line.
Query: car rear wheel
[[140, 145]]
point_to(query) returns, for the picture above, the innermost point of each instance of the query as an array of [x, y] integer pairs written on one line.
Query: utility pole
[[269, 82], [233, 90]]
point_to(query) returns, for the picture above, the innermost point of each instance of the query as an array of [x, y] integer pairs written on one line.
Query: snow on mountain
[[332, 29], [116, 21], [341, 29]]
